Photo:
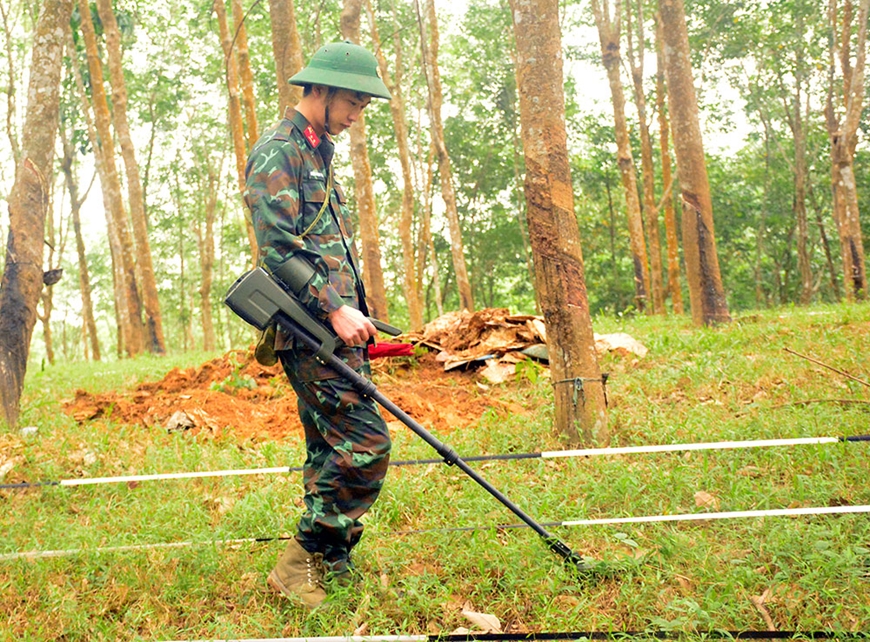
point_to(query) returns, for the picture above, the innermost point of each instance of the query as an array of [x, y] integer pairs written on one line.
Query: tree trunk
[[184, 312], [287, 50], [760, 298], [826, 245], [555, 238], [427, 243], [608, 35], [370, 243], [433, 80], [675, 288], [800, 205], [129, 306], [89, 327], [22, 279], [406, 224], [246, 76], [235, 119], [144, 263], [205, 242], [651, 212], [114, 243], [842, 133], [517, 192], [55, 239], [706, 294], [800, 167], [10, 90]]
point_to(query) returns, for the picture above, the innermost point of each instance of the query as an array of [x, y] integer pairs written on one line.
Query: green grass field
[[734, 382]]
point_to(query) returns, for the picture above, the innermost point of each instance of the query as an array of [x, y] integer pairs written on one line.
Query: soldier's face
[[345, 108]]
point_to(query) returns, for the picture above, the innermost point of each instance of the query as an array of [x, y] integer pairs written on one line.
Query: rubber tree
[[429, 44], [706, 294], [675, 289], [406, 223], [287, 50], [235, 123], [609, 29], [142, 244], [636, 52], [560, 283], [843, 115], [89, 326], [128, 302], [246, 76], [370, 245], [22, 279]]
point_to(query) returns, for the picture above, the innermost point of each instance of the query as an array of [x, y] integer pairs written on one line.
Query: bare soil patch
[[235, 393]]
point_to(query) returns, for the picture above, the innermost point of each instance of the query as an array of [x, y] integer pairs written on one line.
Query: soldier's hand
[[351, 325]]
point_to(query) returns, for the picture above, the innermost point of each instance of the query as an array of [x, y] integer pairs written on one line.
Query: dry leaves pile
[[498, 340]]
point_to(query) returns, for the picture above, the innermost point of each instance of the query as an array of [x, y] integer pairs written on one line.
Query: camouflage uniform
[[347, 440]]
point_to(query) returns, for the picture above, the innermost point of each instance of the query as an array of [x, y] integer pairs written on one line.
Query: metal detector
[[261, 300]]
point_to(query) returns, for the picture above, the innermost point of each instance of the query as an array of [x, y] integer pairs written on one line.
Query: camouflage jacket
[[286, 181]]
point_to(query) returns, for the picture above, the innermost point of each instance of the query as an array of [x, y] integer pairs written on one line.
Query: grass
[[710, 384]]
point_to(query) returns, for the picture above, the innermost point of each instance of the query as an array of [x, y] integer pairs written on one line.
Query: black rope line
[[693, 517], [716, 634], [25, 485], [299, 469], [659, 635], [409, 462]]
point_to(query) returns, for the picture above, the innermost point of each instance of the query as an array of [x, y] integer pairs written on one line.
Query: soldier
[[302, 224]]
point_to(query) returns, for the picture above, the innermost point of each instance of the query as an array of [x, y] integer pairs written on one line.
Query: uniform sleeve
[[273, 179]]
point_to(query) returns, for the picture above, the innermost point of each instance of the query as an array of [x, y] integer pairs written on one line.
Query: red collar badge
[[311, 136]]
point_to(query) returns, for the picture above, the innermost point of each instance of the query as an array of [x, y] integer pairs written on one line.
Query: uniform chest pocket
[[315, 218], [343, 211], [313, 190]]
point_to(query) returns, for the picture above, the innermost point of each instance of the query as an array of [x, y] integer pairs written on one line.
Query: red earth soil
[[235, 394]]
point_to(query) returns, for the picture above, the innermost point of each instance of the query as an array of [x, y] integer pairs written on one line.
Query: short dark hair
[[307, 89]]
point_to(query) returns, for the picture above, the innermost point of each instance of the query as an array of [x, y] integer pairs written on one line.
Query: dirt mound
[[234, 392]]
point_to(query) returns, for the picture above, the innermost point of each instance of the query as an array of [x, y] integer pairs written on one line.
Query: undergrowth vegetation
[[432, 546]]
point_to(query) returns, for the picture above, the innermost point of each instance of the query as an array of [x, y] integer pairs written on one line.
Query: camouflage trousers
[[348, 451]]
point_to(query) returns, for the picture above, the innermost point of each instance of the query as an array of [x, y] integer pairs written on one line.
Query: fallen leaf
[[684, 582], [496, 372], [620, 343], [706, 500], [485, 621], [537, 325], [513, 357], [750, 471], [223, 504], [758, 602], [7, 466], [179, 422], [362, 629]]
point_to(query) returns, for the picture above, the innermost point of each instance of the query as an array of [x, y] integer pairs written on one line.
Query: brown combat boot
[[299, 574]]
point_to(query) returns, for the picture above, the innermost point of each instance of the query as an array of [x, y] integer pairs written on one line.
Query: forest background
[[764, 72]]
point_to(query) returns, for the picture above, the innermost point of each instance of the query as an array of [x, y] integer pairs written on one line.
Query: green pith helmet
[[346, 66]]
